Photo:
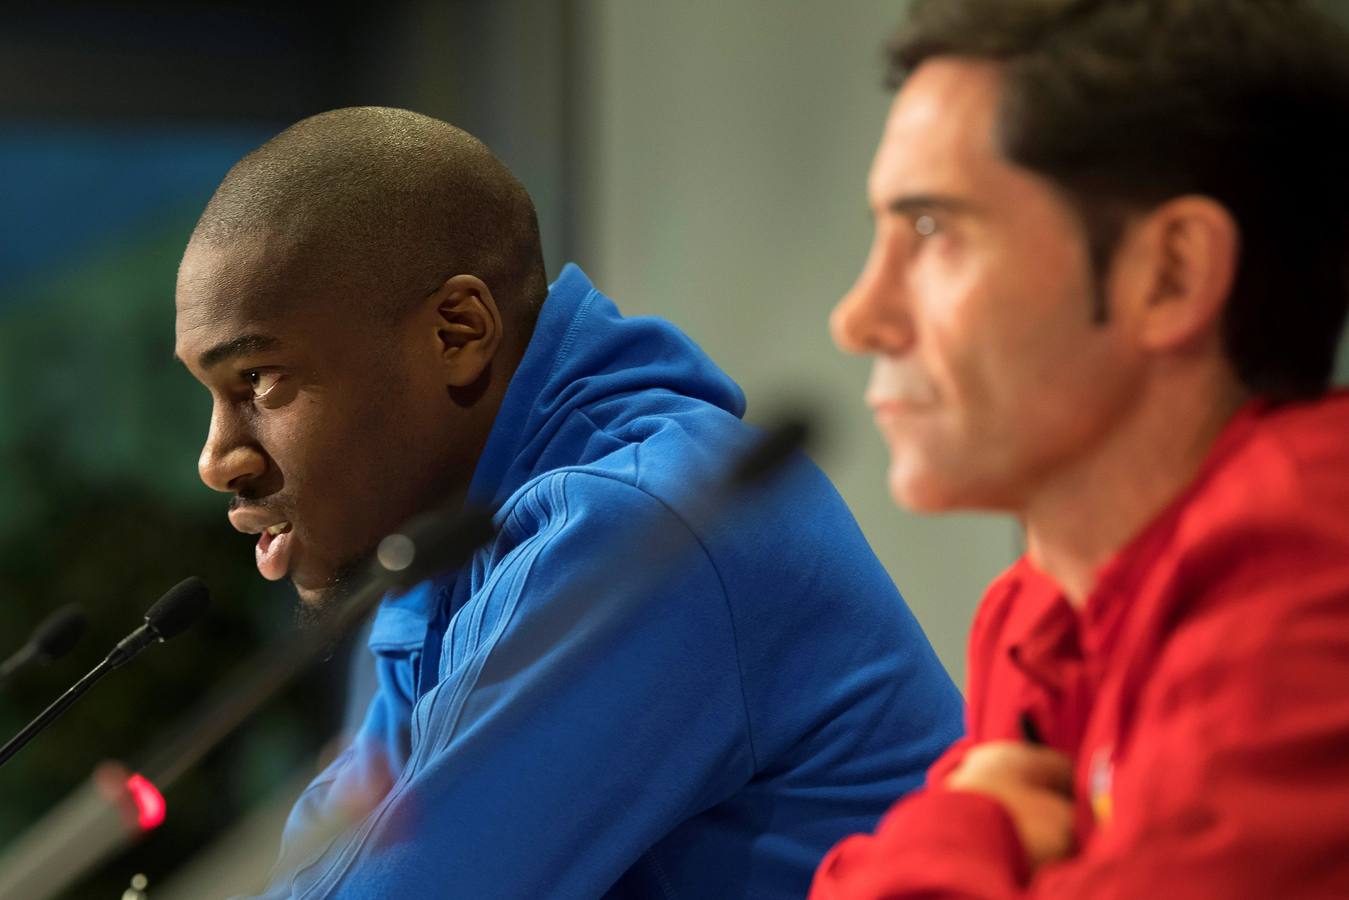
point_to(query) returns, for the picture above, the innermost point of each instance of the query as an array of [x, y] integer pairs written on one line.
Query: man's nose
[[874, 316], [230, 458]]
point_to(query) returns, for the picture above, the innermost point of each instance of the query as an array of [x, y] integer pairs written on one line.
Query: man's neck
[[1081, 516]]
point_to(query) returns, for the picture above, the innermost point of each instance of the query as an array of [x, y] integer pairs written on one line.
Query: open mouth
[[273, 552]]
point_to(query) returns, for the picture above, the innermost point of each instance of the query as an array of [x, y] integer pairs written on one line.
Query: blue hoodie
[[710, 732]]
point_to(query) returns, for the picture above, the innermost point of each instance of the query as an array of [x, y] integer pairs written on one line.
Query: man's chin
[[319, 598], [313, 597], [920, 490], [314, 606]]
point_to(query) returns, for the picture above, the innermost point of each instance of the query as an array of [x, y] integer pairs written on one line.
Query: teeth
[[279, 528]]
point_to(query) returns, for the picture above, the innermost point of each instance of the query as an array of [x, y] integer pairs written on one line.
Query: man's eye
[[261, 383], [926, 225]]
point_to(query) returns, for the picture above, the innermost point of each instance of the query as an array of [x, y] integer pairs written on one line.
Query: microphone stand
[[172, 613], [431, 543]]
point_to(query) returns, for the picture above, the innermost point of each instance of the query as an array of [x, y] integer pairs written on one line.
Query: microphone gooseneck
[[172, 613], [436, 541]]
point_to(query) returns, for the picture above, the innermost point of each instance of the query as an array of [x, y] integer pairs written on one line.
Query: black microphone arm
[[56, 636], [172, 613], [438, 541], [433, 542], [117, 805]]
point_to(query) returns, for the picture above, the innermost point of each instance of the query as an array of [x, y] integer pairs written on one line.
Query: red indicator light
[[149, 802]]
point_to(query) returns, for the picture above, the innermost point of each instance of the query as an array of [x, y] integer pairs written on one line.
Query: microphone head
[[59, 632], [179, 607], [770, 452]]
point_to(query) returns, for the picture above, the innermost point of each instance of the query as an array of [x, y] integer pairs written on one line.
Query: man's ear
[[1174, 272], [467, 326]]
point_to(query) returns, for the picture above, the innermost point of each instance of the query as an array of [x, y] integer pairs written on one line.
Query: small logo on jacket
[[1099, 779]]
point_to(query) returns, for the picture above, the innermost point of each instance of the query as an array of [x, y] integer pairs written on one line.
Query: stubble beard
[[317, 612]]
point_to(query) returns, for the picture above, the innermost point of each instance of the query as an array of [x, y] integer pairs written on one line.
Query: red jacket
[[1202, 692]]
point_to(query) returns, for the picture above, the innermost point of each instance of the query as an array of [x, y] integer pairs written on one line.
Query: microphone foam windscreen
[[773, 450], [59, 633], [179, 607]]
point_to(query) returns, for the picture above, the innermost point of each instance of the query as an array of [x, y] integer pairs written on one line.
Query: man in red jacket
[[1104, 295]]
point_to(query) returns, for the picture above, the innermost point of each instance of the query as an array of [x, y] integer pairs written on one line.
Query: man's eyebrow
[[227, 350], [909, 204]]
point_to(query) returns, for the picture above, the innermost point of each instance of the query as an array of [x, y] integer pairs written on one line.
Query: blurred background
[[703, 161]]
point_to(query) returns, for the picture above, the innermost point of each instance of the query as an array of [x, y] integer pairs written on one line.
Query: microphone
[[170, 615], [53, 638], [119, 804]]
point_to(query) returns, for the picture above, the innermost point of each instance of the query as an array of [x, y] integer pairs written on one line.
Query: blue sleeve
[[353, 782], [570, 730]]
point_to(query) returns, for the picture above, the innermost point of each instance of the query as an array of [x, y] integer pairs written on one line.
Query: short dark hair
[[392, 202], [1124, 104]]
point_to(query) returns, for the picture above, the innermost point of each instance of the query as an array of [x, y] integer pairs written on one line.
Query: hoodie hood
[[583, 352]]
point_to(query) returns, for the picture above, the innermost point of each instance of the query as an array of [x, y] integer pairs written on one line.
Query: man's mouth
[[276, 539], [273, 551], [897, 388]]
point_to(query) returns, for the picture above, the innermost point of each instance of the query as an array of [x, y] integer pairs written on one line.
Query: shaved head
[[355, 298], [379, 206]]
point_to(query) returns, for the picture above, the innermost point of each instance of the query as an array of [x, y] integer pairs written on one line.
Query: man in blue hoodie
[[364, 298]]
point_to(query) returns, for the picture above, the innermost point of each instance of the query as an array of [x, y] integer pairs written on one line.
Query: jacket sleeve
[[1231, 785], [349, 787], [578, 719]]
